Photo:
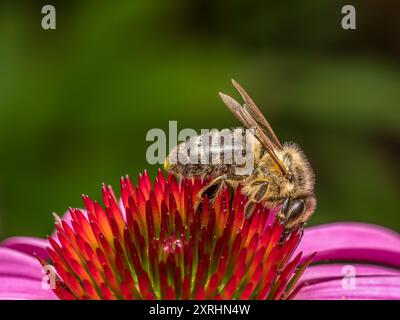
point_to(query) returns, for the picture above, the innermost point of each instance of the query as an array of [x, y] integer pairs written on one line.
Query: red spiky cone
[[158, 243]]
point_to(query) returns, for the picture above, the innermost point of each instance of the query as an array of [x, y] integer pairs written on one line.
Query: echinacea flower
[[354, 261], [160, 241]]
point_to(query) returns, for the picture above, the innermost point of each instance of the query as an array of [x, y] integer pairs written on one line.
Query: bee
[[282, 176]]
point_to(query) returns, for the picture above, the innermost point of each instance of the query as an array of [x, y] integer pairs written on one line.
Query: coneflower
[[161, 241], [158, 242]]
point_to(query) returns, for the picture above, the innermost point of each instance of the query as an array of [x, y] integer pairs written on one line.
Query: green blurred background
[[76, 102]]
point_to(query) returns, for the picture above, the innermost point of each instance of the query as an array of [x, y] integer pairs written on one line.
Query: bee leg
[[257, 198], [249, 207], [217, 181], [283, 213], [287, 231], [285, 234], [301, 228]]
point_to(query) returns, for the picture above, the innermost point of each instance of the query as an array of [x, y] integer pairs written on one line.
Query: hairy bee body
[[209, 155], [264, 184], [280, 175]]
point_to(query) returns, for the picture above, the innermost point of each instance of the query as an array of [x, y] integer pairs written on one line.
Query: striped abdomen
[[212, 154]]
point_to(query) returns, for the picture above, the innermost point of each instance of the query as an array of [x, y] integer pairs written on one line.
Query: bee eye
[[297, 209]]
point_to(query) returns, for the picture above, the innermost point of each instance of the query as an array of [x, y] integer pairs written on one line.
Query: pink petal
[[322, 272], [16, 288], [335, 282], [21, 276], [18, 264], [352, 241], [27, 245]]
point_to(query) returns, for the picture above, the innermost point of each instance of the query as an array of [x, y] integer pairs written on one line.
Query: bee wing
[[236, 109], [257, 115], [249, 122]]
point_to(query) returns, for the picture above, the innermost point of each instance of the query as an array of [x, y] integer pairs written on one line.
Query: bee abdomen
[[211, 154]]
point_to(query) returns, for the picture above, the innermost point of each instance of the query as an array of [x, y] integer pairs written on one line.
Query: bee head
[[297, 188], [293, 191], [299, 181]]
